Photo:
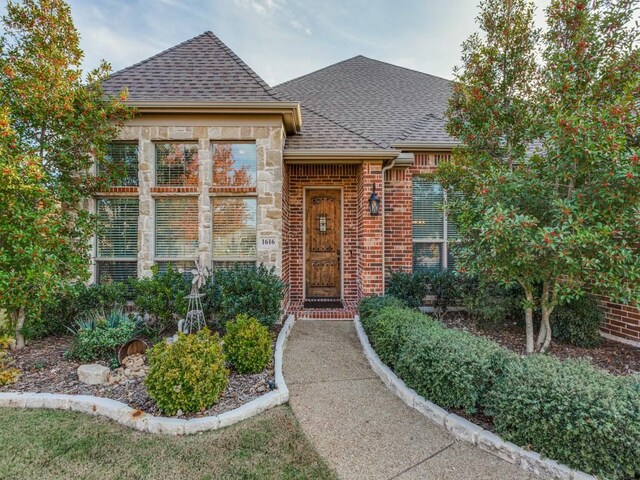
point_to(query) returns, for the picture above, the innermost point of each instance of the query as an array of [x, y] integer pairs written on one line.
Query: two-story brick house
[[225, 169]]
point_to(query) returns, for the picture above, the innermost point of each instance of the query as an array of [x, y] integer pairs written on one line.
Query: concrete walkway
[[362, 429]]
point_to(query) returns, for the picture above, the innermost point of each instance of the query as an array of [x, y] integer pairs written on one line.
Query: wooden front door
[[322, 243]]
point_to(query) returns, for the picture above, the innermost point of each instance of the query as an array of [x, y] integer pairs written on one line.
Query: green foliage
[[578, 322], [566, 215], [370, 306], [390, 328], [411, 288], [98, 336], [75, 301], [451, 368], [492, 303], [571, 412], [162, 298], [448, 287], [257, 292], [188, 374], [53, 126], [247, 345]]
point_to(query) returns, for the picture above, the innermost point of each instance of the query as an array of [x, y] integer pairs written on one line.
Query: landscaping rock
[[93, 374]]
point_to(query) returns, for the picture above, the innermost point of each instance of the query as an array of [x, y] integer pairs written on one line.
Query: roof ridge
[[413, 127], [344, 127], [170, 49], [239, 62], [406, 68], [315, 71]]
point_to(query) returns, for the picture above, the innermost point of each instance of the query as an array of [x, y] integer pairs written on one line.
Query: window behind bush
[[117, 240], [432, 231], [123, 158]]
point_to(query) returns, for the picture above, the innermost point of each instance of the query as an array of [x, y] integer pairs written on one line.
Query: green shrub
[[411, 288], [188, 374], [451, 368], [370, 306], [99, 336], [578, 322], [8, 374], [257, 292], [571, 412], [390, 328], [447, 286], [492, 304], [161, 298], [247, 345], [76, 301]]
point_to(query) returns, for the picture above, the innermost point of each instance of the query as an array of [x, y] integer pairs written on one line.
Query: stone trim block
[[139, 420], [464, 430]]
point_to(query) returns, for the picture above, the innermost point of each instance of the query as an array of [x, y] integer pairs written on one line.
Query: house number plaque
[[268, 242]]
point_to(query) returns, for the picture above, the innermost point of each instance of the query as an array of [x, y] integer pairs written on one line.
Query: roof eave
[[338, 155], [424, 146], [290, 111]]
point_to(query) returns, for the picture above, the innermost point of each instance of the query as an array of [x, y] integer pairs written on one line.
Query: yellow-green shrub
[[247, 345], [188, 374], [7, 374]]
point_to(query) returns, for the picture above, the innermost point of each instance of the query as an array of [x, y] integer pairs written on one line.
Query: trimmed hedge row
[[567, 410]]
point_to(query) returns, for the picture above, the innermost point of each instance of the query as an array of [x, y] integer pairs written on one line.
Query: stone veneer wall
[[269, 142]]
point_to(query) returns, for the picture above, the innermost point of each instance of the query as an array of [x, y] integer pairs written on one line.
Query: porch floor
[[347, 312]]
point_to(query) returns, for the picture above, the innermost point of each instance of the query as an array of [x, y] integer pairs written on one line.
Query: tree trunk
[[546, 325], [547, 304], [528, 319], [20, 317]]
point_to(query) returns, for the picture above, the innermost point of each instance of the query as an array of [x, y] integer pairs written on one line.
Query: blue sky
[[282, 39]]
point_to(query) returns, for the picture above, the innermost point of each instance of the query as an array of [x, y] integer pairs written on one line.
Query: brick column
[[370, 232]]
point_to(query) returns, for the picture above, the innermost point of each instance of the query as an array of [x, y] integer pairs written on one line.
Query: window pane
[[452, 228], [428, 220], [110, 272], [123, 158], [427, 257], [225, 265], [234, 228], [177, 164], [118, 227], [176, 227], [451, 257], [234, 165]]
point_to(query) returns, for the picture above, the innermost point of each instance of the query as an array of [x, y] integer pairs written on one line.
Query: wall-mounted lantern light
[[374, 202]]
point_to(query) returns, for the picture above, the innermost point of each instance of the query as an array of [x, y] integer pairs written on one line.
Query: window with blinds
[[177, 164], [234, 230], [432, 231], [234, 164], [121, 160], [176, 228], [117, 239]]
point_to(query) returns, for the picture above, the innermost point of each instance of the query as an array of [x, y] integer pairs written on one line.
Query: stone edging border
[[138, 420], [464, 430]]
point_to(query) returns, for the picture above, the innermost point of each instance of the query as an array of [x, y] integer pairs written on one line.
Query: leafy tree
[[53, 126], [549, 163]]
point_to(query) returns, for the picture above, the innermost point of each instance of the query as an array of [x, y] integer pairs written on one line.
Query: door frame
[[304, 235]]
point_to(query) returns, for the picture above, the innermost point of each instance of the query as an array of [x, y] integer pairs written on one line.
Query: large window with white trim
[[117, 239], [433, 232]]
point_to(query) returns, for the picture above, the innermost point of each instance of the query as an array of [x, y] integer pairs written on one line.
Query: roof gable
[[380, 101], [202, 69]]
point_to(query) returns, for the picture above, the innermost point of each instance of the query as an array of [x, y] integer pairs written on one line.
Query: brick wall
[[622, 321], [370, 232], [286, 254]]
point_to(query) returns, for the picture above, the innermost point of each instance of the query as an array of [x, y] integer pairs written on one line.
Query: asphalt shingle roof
[[382, 102], [202, 69]]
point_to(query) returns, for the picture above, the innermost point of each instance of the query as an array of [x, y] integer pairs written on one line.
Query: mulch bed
[[46, 370], [615, 357]]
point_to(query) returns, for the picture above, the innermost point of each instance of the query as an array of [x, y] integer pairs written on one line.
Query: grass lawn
[[48, 444]]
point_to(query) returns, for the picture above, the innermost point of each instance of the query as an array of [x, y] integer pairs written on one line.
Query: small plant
[[578, 322], [188, 375], [162, 298], [98, 336], [491, 303], [411, 288], [247, 345], [370, 306], [7, 374], [257, 292], [447, 286]]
